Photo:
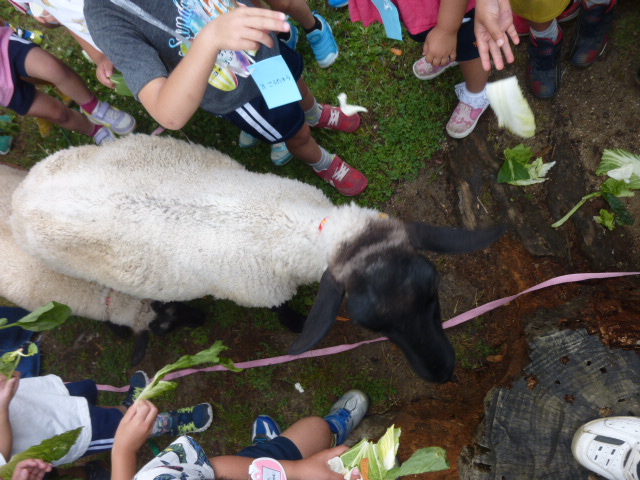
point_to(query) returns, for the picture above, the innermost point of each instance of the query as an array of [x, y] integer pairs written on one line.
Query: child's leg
[[54, 110], [474, 75], [42, 65], [311, 435]]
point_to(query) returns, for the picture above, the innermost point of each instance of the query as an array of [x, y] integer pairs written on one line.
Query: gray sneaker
[[118, 121], [347, 413], [104, 135]]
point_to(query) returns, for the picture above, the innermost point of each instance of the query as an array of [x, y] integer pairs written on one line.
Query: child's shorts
[[539, 11], [104, 421], [467, 49], [280, 448], [24, 92], [277, 124]]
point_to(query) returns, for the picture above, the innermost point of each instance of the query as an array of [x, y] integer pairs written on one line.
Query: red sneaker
[[346, 179], [570, 12], [335, 119]]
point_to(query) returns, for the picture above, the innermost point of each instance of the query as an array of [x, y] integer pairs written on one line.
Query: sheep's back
[[160, 218]]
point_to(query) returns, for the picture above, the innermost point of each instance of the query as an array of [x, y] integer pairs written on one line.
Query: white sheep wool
[[42, 408]]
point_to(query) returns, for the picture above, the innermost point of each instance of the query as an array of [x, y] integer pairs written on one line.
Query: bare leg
[[308, 445], [297, 9], [40, 64], [539, 27], [474, 75], [57, 112], [304, 147]]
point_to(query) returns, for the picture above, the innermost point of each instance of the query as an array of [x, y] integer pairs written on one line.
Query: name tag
[[390, 18], [275, 81]]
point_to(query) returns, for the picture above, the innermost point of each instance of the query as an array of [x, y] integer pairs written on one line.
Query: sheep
[[27, 282], [161, 218]]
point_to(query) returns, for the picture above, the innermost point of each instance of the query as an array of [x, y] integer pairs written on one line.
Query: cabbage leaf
[[511, 108], [49, 450], [211, 355], [380, 459], [517, 169], [44, 318]]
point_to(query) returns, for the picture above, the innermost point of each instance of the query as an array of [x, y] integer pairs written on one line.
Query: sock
[[91, 105], [325, 161], [475, 100], [316, 26], [96, 129], [312, 116], [551, 33], [162, 425]]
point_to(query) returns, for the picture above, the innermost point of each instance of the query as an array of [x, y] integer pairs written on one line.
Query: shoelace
[[334, 116], [340, 173]]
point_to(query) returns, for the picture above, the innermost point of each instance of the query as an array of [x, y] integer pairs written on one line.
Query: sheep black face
[[392, 289]]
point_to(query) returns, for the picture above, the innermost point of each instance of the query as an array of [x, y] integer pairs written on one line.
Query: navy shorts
[[277, 124], [104, 421], [24, 92], [280, 448], [467, 47]]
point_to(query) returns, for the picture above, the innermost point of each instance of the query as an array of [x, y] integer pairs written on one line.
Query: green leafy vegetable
[[517, 170], [44, 318], [121, 85], [511, 108], [10, 360], [210, 355], [381, 459], [623, 170], [49, 450]]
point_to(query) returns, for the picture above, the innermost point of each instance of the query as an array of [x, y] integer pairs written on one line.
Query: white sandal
[[609, 447]]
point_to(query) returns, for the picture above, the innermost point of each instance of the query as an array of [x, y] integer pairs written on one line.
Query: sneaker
[[36, 36], [592, 36], [347, 413], [465, 116], [609, 447], [280, 155], [346, 179], [426, 71], [335, 119], [139, 380], [338, 3], [570, 12], [522, 26], [323, 43], [292, 41], [543, 68], [104, 135], [186, 421], [5, 144], [119, 122], [264, 429], [246, 140]]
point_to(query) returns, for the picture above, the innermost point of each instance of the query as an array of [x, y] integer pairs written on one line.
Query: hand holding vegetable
[[31, 469], [8, 388], [136, 426]]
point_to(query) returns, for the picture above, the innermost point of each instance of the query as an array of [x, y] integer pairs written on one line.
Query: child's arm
[[173, 100], [104, 66], [493, 28], [441, 42], [8, 388], [315, 467], [31, 469], [134, 429]]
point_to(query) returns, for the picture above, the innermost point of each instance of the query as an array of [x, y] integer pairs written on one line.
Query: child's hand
[[245, 28], [440, 47], [136, 426], [31, 469], [317, 466], [8, 388], [494, 28]]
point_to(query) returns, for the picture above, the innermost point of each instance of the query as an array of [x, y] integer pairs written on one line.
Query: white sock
[[474, 100], [592, 3], [325, 161], [551, 33]]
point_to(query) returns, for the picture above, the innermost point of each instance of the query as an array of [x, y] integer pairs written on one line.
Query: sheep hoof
[[140, 348]]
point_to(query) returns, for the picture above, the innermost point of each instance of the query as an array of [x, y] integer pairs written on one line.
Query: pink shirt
[[6, 82], [416, 16]]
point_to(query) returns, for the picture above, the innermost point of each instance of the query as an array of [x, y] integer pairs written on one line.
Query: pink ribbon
[[463, 317]]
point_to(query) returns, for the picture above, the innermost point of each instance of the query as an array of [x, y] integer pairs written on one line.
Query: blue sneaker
[[323, 43], [338, 3], [347, 413], [292, 42], [280, 155], [246, 140], [139, 380], [264, 429]]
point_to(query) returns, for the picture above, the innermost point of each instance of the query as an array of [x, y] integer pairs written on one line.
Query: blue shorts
[[104, 421], [280, 448], [24, 92], [467, 48], [277, 124]]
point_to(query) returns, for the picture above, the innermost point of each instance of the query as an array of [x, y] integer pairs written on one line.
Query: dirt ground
[[596, 108]]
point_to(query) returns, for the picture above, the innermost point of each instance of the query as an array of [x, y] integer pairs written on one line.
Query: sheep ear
[[322, 315], [451, 240]]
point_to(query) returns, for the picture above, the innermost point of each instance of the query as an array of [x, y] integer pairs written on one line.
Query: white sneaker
[[609, 447], [118, 121], [104, 135]]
